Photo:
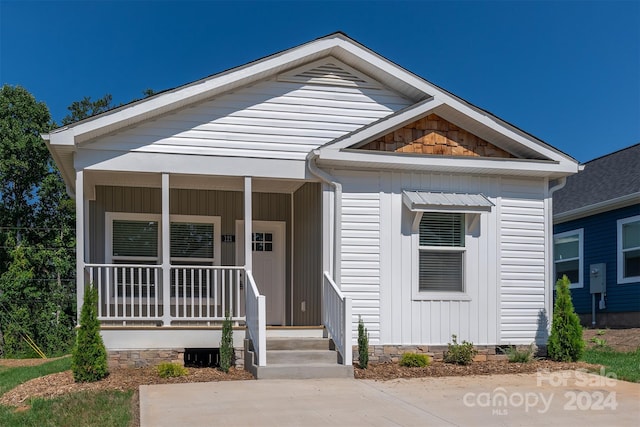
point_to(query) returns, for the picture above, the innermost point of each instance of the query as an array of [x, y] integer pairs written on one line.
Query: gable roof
[[353, 64], [608, 182]]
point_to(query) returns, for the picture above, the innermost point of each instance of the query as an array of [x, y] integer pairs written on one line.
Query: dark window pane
[[441, 271], [135, 238], [442, 229], [632, 263], [569, 268], [191, 240]]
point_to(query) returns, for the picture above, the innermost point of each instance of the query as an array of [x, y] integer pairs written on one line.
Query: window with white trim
[[135, 239], [441, 258], [568, 256], [629, 250]]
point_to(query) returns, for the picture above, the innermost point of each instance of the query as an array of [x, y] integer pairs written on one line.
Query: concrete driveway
[[547, 399]]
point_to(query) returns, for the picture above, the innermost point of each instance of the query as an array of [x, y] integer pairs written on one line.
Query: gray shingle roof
[[605, 178]]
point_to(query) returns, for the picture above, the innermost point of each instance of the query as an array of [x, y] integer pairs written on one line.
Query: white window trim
[[620, 258], [580, 233], [128, 216], [418, 295]]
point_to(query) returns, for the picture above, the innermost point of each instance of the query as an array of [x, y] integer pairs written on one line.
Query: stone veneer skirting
[[393, 353], [145, 358]]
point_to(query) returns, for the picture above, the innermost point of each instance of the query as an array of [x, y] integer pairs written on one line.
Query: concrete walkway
[[552, 399]]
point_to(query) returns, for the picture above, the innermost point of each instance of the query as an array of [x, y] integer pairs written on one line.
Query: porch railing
[[336, 317], [256, 320], [134, 292]]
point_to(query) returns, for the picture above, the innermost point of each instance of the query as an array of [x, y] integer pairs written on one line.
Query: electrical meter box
[[598, 278]]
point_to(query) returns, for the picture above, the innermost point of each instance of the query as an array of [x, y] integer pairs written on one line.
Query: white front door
[[268, 246]]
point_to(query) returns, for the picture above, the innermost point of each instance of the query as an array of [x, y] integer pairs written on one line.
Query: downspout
[[558, 186], [337, 228]]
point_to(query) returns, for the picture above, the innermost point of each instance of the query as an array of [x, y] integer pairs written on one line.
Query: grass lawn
[[11, 377], [99, 409], [626, 366], [105, 408]]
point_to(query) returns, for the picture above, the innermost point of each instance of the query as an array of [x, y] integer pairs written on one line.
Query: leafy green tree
[[89, 360], [37, 241], [565, 342], [80, 110]]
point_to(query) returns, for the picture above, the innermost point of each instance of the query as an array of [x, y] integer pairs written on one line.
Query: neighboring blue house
[[596, 220]]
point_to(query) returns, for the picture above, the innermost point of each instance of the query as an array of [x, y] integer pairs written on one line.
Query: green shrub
[[166, 370], [415, 360], [520, 356], [460, 354], [89, 359], [565, 341], [226, 344], [363, 345]]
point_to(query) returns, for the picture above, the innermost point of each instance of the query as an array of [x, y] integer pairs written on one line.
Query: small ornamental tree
[[89, 361], [363, 345], [565, 342], [226, 344]]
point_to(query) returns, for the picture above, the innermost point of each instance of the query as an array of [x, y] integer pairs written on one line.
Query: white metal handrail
[[336, 317], [256, 319]]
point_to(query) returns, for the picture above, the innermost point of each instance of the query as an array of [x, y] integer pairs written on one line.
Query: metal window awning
[[424, 201]]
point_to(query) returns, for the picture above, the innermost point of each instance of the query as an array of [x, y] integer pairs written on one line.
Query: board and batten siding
[[271, 119], [225, 204], [504, 279], [523, 277]]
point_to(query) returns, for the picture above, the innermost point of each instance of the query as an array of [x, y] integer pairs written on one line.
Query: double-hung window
[[135, 240], [568, 258], [441, 252], [629, 250]]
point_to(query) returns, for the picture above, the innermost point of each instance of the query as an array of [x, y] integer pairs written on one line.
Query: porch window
[[135, 240], [441, 252], [568, 256], [629, 250], [192, 242]]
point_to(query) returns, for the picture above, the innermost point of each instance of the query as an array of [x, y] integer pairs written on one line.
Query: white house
[[367, 191]]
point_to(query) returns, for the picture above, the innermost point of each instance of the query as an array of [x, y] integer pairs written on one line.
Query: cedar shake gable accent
[[434, 135]]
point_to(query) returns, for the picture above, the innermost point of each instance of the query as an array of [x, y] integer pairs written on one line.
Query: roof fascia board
[[384, 125], [442, 163], [596, 208]]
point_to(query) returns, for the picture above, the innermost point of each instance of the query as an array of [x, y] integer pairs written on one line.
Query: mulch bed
[[390, 371]]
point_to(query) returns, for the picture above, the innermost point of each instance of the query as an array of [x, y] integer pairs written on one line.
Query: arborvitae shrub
[[565, 342], [89, 360], [460, 354], [363, 345], [226, 344], [415, 360]]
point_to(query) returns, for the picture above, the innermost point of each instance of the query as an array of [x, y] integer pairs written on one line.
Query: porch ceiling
[[198, 182]]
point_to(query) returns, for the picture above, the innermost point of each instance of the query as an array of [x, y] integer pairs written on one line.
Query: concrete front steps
[[298, 358]]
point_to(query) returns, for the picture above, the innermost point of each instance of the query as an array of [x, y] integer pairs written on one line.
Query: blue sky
[[567, 72]]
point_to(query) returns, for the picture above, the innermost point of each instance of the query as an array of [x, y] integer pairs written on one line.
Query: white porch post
[[166, 253], [248, 254], [80, 261]]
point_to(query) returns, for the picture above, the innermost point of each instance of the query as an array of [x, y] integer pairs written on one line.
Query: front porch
[[168, 256]]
